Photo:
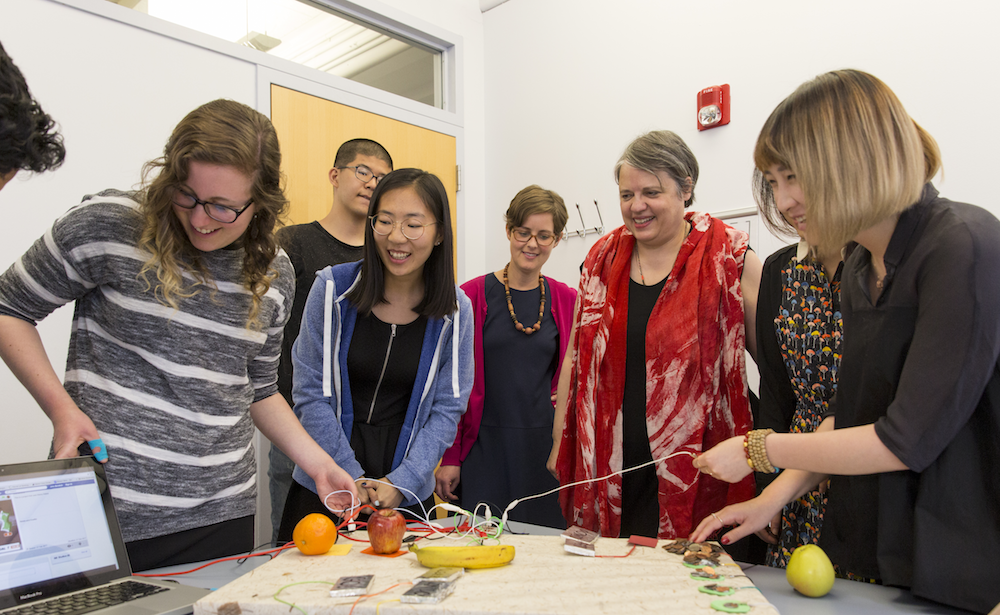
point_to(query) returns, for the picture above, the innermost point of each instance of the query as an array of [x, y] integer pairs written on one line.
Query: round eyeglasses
[[219, 213], [364, 174], [543, 238], [383, 225]]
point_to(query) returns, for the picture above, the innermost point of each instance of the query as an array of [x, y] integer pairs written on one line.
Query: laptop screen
[[58, 530]]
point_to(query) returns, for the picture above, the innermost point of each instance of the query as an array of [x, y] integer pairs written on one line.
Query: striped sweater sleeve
[[59, 267], [263, 370]]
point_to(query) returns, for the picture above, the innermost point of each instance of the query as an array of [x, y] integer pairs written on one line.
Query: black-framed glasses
[[219, 213], [523, 235], [383, 224], [364, 174]]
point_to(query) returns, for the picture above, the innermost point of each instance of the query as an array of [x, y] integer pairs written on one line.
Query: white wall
[[571, 82]]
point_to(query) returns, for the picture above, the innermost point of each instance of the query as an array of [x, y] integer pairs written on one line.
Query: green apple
[[810, 571]]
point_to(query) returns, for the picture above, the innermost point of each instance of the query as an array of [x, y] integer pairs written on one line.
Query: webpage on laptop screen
[[51, 526]]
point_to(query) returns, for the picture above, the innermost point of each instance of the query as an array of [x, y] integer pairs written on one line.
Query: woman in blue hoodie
[[384, 359]]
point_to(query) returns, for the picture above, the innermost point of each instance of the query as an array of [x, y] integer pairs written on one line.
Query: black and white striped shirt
[[169, 390]]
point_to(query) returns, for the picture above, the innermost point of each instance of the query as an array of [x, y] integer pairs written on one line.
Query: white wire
[[503, 518], [345, 510], [354, 506], [474, 526]]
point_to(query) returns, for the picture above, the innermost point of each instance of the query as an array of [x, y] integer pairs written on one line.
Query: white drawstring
[[327, 326], [454, 356]]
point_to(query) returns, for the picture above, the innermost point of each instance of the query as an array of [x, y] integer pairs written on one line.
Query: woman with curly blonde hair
[[181, 295]]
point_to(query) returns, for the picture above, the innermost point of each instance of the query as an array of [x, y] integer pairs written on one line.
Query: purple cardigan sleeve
[[562, 304]]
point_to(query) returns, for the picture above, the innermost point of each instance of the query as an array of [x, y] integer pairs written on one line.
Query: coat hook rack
[[583, 232]]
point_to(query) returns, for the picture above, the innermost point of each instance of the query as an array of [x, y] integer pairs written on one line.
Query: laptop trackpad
[[128, 608]]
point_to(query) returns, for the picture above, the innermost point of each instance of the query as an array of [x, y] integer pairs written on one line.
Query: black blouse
[[922, 365], [383, 360]]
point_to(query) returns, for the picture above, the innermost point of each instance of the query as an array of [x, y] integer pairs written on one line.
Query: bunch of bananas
[[477, 556]]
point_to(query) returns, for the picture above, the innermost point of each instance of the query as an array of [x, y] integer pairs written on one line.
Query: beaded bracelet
[[756, 451], [746, 451]]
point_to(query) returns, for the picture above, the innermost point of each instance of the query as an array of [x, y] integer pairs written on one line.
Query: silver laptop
[[61, 549]]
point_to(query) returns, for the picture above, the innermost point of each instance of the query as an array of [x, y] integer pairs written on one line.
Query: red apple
[[385, 531]]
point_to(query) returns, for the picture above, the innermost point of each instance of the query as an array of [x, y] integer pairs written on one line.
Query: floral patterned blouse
[[807, 327]]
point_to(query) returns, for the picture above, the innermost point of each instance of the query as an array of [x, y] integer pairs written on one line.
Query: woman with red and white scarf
[[657, 353]]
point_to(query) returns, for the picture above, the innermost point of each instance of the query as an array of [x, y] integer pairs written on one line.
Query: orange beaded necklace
[[510, 305]]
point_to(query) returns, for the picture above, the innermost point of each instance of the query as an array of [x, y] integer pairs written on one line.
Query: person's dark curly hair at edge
[[28, 139]]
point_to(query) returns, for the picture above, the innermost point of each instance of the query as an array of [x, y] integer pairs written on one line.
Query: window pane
[[313, 37]]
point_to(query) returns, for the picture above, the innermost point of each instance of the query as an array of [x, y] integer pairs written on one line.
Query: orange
[[314, 534]]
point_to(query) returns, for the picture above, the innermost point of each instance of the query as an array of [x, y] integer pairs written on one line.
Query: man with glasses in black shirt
[[337, 238]]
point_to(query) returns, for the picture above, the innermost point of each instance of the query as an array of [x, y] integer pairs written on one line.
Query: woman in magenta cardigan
[[523, 321]]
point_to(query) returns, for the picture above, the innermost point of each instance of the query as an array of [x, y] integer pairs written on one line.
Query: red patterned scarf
[[696, 394]]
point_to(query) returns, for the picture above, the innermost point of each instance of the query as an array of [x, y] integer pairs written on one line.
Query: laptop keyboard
[[91, 600]]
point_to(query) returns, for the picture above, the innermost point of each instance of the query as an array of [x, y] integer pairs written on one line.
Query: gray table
[[846, 597]]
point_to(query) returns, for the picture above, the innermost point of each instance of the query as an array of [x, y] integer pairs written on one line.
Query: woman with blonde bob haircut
[[843, 125], [181, 295], [910, 445]]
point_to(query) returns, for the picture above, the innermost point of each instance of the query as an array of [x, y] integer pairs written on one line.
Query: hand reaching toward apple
[[382, 494], [447, 479]]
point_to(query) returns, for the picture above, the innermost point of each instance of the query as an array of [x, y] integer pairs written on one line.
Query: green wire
[[291, 604]]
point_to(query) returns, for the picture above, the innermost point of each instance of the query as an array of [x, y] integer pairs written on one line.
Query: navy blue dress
[[508, 458]]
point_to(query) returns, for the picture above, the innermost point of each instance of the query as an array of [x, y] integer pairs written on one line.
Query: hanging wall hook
[[583, 232]]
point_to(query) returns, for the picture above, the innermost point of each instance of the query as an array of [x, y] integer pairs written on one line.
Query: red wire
[[268, 552], [626, 555], [225, 559]]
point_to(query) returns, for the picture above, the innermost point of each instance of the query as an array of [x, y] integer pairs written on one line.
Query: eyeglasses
[[523, 235], [383, 225], [219, 213], [364, 174]]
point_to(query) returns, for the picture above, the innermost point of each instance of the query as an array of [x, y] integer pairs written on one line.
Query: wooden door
[[310, 129]]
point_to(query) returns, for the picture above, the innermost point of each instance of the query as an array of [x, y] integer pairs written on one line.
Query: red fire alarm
[[713, 107]]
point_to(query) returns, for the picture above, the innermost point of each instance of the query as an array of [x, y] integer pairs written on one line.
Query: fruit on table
[[385, 531], [314, 534], [810, 571], [477, 556]]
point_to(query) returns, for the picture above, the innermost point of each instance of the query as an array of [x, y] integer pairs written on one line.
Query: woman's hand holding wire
[[363, 493], [725, 461], [447, 479], [382, 493], [334, 481]]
